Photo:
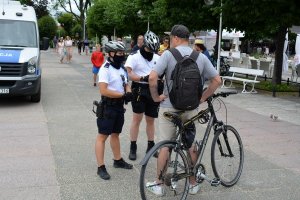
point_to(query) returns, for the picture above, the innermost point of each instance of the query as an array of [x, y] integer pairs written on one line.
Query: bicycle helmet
[[113, 46], [151, 41]]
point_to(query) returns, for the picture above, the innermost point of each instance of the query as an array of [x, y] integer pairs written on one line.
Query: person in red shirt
[[97, 59]]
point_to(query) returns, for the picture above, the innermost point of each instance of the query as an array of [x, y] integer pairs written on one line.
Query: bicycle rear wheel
[[173, 175], [227, 156]]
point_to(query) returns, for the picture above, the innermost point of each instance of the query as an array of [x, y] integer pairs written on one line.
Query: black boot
[[122, 164], [132, 153], [150, 145], [103, 173]]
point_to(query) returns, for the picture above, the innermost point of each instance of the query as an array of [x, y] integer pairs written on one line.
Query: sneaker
[[132, 154], [122, 164], [194, 189], [155, 188], [103, 173]]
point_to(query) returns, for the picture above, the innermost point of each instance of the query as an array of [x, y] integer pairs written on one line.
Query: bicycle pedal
[[215, 182]]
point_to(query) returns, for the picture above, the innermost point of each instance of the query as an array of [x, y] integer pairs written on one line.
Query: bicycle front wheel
[[227, 156], [168, 177]]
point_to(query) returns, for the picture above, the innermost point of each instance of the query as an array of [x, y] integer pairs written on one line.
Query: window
[[18, 33]]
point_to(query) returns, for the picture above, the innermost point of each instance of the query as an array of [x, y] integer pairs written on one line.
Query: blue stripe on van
[[9, 56]]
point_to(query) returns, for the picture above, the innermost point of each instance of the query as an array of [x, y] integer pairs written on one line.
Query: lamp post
[[141, 15], [210, 2]]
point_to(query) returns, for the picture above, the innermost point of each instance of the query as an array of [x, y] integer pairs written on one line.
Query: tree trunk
[[277, 71], [82, 22]]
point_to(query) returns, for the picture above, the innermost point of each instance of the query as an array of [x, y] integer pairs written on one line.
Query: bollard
[[288, 81], [274, 91]]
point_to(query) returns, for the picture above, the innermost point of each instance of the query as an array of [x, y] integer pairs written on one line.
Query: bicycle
[[178, 168]]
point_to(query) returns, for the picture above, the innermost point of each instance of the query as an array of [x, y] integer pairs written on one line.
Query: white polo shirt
[[113, 77], [139, 65]]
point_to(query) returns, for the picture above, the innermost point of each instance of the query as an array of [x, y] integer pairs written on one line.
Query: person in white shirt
[[139, 66], [114, 93], [69, 50]]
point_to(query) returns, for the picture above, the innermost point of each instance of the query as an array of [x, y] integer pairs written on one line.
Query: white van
[[20, 72]]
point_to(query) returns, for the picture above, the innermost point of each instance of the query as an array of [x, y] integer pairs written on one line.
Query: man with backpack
[[185, 72]]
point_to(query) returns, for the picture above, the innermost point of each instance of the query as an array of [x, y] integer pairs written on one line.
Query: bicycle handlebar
[[222, 94]]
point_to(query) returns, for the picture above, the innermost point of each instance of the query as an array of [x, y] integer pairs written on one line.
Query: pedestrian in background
[[68, 46], [164, 46], [140, 42], [86, 44], [61, 49], [97, 59], [79, 46], [199, 46], [114, 90]]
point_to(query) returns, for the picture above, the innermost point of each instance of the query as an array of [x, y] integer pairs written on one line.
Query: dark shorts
[[143, 103], [112, 122]]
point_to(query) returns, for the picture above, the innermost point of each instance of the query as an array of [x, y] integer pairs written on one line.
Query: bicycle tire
[[149, 173], [221, 169]]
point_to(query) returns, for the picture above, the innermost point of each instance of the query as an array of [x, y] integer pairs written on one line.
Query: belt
[[141, 85], [112, 101]]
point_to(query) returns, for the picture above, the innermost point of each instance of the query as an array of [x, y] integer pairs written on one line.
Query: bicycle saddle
[[173, 115]]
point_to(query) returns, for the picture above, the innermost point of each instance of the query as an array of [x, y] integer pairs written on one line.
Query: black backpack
[[187, 82]]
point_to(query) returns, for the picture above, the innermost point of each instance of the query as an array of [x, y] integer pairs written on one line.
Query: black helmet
[[113, 46], [151, 41]]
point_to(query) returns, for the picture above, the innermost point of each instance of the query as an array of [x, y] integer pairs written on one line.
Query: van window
[[18, 33]]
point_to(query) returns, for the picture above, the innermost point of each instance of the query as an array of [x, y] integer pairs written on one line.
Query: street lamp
[[210, 2], [141, 15]]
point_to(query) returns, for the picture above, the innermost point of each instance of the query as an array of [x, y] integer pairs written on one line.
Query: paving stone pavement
[[47, 152]]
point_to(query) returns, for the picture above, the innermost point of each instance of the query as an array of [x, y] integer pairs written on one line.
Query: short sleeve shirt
[[166, 64], [139, 65], [113, 77]]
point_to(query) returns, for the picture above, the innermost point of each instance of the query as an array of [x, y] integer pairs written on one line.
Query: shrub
[[47, 27]]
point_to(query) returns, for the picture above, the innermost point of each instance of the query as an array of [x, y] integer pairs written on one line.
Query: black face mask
[[147, 55], [118, 61]]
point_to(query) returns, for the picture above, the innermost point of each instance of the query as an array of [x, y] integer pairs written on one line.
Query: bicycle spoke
[[173, 179], [227, 156]]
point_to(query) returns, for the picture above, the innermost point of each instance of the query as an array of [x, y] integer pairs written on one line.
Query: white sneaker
[[155, 188], [194, 189]]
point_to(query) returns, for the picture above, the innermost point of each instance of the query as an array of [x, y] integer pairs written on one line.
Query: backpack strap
[[194, 55], [177, 55]]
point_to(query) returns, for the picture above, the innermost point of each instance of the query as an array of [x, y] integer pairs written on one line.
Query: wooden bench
[[238, 70]]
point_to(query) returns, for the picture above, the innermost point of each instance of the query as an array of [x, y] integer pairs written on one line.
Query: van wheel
[[36, 97]]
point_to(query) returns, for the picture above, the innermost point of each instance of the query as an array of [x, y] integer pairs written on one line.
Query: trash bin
[[45, 43]]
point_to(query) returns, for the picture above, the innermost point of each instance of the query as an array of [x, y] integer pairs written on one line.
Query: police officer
[[114, 92], [139, 66]]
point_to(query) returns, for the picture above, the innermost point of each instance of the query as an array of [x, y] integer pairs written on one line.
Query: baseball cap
[[180, 31], [199, 41]]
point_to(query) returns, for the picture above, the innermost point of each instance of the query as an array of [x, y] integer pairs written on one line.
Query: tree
[[40, 6], [263, 18], [47, 27], [67, 21], [81, 6]]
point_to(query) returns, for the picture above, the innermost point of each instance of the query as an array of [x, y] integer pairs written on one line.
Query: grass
[[284, 87]]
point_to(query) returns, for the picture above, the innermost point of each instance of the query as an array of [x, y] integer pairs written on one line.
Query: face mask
[[147, 55], [118, 60]]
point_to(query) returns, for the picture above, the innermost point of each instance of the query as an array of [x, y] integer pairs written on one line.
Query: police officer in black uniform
[[114, 93]]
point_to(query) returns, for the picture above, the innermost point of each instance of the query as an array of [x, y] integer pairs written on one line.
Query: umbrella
[[285, 64]]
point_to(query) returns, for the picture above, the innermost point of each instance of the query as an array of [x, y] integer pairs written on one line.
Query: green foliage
[[267, 85], [40, 6], [61, 32], [67, 21], [76, 31], [47, 27]]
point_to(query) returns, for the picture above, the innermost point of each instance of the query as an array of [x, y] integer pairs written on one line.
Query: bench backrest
[[255, 72]]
